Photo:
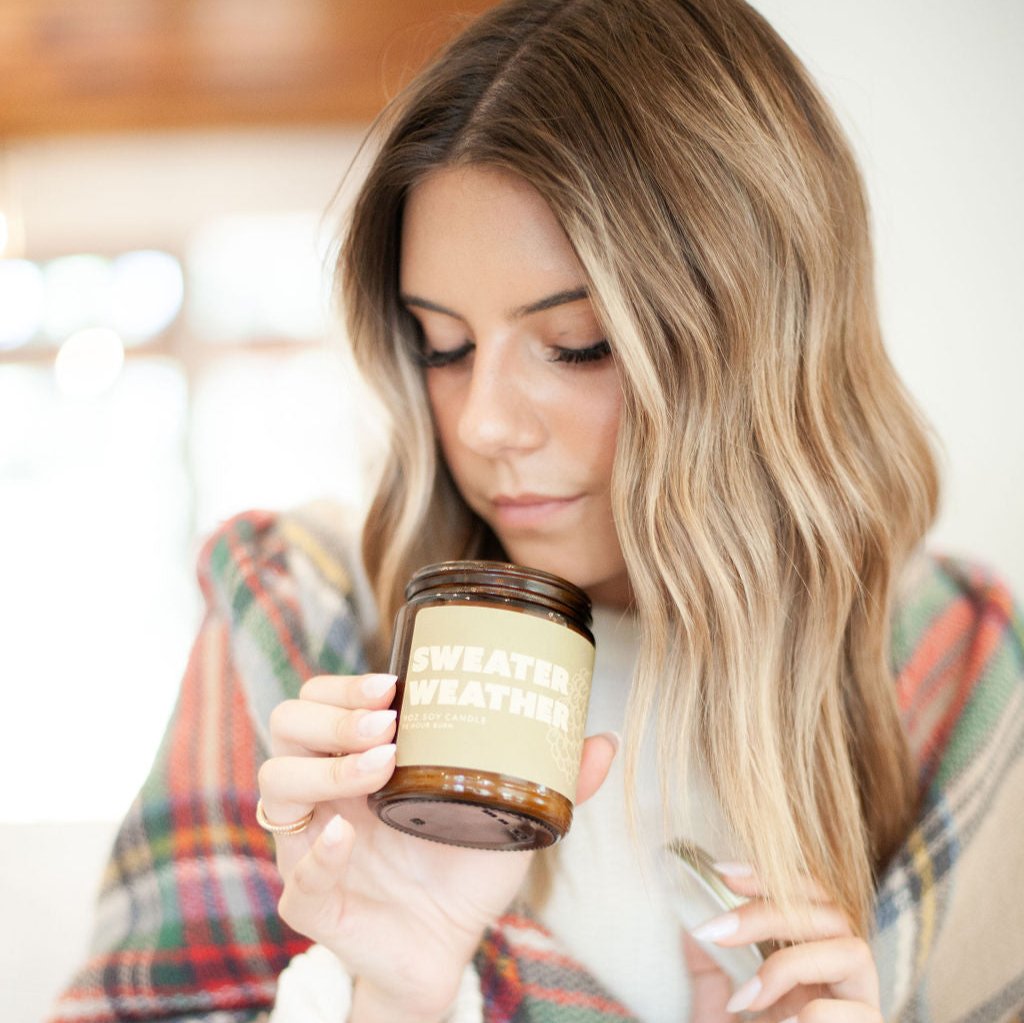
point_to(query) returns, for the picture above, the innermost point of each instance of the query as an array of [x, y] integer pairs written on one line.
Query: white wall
[[932, 94]]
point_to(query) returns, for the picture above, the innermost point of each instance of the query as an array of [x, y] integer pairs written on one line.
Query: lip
[[530, 509]]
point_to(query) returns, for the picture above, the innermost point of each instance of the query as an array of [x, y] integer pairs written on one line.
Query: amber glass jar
[[494, 664]]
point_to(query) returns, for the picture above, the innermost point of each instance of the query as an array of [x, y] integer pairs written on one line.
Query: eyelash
[[569, 356]]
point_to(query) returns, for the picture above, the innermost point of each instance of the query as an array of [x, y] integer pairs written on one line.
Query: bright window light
[[273, 431], [77, 294], [146, 292], [258, 276], [89, 362], [21, 302], [95, 545]]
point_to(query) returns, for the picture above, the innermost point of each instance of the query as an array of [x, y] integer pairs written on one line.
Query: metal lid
[[502, 579]]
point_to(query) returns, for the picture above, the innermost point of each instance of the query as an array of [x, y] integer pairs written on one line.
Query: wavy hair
[[772, 476]]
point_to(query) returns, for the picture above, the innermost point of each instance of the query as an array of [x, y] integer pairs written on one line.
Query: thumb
[[598, 753]]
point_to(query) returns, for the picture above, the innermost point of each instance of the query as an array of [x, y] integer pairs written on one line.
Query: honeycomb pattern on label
[[566, 746]]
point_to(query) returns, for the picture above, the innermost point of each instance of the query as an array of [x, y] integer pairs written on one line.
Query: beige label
[[494, 690]]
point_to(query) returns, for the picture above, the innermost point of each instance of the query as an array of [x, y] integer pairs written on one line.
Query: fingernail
[[615, 739], [375, 686], [333, 832], [734, 869], [376, 758], [744, 996], [375, 722], [790, 1019], [717, 927]]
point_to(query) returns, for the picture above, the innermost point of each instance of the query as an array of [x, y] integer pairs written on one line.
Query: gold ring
[[282, 829]]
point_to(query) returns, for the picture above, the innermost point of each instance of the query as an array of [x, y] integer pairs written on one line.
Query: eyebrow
[[548, 302]]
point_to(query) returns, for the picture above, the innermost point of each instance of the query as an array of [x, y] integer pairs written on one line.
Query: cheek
[[444, 410], [593, 425]]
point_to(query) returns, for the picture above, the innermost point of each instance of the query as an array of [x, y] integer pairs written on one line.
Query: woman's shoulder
[[316, 542], [945, 601], [960, 682], [958, 655], [290, 586]]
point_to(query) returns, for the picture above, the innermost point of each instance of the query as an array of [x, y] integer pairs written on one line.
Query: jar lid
[[500, 578]]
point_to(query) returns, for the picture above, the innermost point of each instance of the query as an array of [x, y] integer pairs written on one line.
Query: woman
[[610, 274]]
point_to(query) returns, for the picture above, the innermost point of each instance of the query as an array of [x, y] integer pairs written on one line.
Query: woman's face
[[524, 393]]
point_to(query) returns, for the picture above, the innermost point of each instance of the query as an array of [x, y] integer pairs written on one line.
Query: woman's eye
[[574, 356], [428, 358]]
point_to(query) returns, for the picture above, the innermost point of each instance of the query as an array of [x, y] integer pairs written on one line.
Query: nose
[[500, 411]]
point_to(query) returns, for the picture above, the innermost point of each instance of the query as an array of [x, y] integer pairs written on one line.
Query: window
[[145, 397]]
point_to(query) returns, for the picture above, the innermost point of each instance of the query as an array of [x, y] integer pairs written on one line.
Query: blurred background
[[169, 173]]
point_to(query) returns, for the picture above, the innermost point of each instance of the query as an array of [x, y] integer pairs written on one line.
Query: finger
[[290, 786], [764, 921], [313, 895], [845, 965], [350, 692], [743, 879], [302, 727], [598, 753]]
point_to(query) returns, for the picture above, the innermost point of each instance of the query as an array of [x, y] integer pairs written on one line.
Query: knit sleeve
[[187, 925]]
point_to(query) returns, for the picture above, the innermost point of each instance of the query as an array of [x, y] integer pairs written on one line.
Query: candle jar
[[494, 663]]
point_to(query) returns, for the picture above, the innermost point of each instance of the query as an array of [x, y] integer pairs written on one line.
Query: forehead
[[481, 226]]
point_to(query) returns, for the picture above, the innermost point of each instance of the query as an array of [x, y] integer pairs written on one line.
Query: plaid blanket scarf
[[187, 927]]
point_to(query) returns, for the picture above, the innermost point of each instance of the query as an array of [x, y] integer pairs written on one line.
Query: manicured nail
[[376, 758], [375, 686], [790, 1019], [734, 869], [615, 739], [745, 995], [333, 832], [717, 927], [375, 722]]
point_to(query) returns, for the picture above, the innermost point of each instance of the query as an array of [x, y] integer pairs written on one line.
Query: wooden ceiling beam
[[100, 65]]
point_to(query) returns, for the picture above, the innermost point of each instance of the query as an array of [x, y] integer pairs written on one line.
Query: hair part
[[772, 475]]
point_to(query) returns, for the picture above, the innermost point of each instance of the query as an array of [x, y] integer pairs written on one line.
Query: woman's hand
[[404, 915], [823, 974]]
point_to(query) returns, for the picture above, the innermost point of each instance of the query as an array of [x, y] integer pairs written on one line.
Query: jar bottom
[[475, 810], [466, 824]]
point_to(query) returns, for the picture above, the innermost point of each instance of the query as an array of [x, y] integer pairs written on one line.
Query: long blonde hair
[[772, 477]]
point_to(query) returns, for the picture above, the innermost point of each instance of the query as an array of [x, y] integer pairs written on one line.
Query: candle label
[[493, 690]]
